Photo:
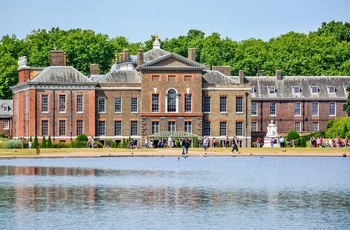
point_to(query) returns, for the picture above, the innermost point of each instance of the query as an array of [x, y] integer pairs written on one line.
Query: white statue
[[271, 130]]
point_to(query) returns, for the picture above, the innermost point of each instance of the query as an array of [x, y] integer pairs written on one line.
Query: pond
[[172, 193]]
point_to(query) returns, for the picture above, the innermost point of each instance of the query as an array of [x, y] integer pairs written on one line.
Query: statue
[[271, 130]]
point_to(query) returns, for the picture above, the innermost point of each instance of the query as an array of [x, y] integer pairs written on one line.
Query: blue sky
[[137, 20]]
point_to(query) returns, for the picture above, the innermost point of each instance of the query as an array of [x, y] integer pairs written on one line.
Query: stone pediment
[[171, 61]]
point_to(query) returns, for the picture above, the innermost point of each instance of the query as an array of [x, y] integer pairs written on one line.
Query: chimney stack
[[192, 54], [260, 73], [278, 74], [126, 55], [57, 58], [121, 59], [94, 69], [139, 57], [223, 69], [241, 76]]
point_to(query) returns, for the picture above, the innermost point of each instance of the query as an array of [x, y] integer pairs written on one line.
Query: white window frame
[[330, 109], [254, 109], [118, 130], [134, 128], [101, 128], [80, 104], [297, 111], [297, 126], [270, 104], [80, 127], [331, 89], [254, 126], [271, 89], [155, 127], [101, 107], [5, 124], [45, 103], [313, 89], [132, 105], [62, 104], [296, 89], [188, 126], [115, 105], [176, 101], [206, 104], [223, 104], [312, 109], [239, 105], [314, 128]]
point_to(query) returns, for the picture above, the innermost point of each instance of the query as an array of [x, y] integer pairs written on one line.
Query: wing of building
[[151, 92]]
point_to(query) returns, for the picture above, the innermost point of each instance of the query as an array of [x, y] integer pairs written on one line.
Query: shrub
[[25, 144], [195, 142], [78, 144], [177, 143], [43, 143], [99, 144], [35, 143], [124, 143], [2, 135], [293, 135], [49, 143], [114, 145], [82, 137], [60, 145], [13, 144], [302, 142], [2, 143], [108, 142]]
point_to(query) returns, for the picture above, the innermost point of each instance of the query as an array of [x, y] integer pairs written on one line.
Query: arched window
[[171, 101]]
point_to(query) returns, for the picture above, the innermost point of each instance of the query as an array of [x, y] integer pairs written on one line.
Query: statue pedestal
[[267, 142]]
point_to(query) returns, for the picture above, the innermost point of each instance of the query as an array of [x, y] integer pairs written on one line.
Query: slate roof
[[154, 54], [8, 112], [60, 74], [121, 76], [300, 87], [216, 77]]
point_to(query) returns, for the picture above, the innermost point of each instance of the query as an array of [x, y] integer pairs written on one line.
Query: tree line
[[325, 51]]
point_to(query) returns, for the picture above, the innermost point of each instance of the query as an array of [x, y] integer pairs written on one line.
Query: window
[[133, 128], [171, 126], [134, 105], [5, 124], [315, 127], [62, 128], [171, 101], [346, 89], [101, 128], [5, 108], [79, 103], [332, 109], [239, 128], [44, 103], [223, 129], [101, 103], [155, 102], [117, 128], [239, 104], [253, 90], [79, 127], [62, 103], [223, 105], [296, 89], [188, 102], [44, 127], [331, 89], [314, 108], [118, 105], [206, 128], [188, 126], [254, 126], [254, 108], [297, 126], [271, 89], [297, 109], [206, 105], [272, 108], [314, 89], [155, 127]]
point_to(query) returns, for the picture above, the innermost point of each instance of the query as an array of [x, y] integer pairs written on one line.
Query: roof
[[60, 74], [178, 134], [121, 76], [300, 87], [216, 77], [6, 108]]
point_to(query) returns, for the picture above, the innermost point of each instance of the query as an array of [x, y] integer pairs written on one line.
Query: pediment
[[171, 61]]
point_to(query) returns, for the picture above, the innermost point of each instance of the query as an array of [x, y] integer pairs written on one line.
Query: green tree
[[82, 137], [49, 143], [346, 106], [337, 127], [36, 142], [293, 135], [302, 142], [43, 143]]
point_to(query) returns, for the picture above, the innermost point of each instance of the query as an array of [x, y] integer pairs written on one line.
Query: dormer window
[[253, 89], [5, 108], [345, 89], [314, 89], [331, 89], [271, 89], [296, 89]]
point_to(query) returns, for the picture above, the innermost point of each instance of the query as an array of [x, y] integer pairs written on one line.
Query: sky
[[137, 20]]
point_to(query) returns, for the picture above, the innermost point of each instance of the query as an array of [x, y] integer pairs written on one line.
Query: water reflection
[[73, 191]]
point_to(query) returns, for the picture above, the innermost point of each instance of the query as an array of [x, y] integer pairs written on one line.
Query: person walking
[[235, 145], [183, 146], [226, 141], [281, 140], [205, 144], [187, 145], [146, 143]]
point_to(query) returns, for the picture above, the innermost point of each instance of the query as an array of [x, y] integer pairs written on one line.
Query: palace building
[[144, 94]]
